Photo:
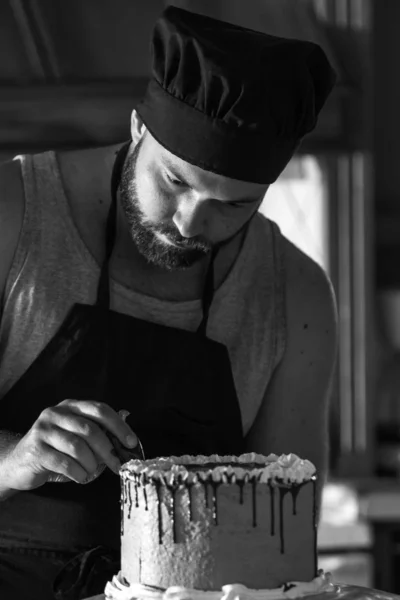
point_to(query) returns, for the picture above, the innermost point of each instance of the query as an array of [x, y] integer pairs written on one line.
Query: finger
[[57, 462], [105, 416], [84, 434], [96, 474], [72, 445], [57, 478], [124, 414]]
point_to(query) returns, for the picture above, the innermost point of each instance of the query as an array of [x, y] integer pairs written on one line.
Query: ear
[[138, 128]]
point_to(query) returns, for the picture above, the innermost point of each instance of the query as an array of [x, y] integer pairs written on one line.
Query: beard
[[144, 232]]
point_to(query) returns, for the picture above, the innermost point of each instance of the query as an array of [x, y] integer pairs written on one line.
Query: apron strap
[[103, 290], [208, 294]]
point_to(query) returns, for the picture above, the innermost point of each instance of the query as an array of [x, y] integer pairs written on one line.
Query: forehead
[[156, 157]]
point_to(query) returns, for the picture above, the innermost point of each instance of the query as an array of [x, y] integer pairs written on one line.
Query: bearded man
[[171, 298]]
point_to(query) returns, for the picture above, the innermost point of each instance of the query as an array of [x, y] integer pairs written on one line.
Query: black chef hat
[[232, 100]]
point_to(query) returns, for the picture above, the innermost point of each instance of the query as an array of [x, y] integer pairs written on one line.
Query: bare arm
[[294, 414], [8, 441], [69, 441]]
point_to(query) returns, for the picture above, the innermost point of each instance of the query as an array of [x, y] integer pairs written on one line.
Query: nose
[[190, 218]]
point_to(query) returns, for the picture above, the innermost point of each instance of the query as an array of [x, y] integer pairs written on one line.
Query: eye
[[175, 181], [238, 204]]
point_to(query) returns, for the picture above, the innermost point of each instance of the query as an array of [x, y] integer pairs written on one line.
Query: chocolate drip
[[215, 501], [282, 493], [172, 490], [122, 487], [241, 487], [295, 492], [272, 507], [137, 483], [126, 491], [158, 490], [206, 494], [122, 502], [146, 506], [189, 490], [129, 500], [294, 489], [254, 494], [315, 524]]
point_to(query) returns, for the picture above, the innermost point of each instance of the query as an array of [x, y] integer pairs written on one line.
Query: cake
[[233, 525]]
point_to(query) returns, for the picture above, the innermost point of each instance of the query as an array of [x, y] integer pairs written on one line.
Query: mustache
[[194, 243]]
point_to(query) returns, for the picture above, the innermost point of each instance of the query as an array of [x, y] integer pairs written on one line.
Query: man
[[173, 299]]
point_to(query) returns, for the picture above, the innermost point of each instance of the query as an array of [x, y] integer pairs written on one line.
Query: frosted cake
[[226, 526]]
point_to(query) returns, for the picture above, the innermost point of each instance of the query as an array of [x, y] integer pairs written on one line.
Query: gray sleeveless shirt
[[53, 269]]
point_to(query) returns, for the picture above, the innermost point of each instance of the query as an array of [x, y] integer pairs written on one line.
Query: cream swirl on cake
[[287, 468], [118, 589]]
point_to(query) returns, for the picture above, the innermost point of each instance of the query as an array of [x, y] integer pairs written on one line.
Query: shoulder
[[309, 294], [86, 175], [308, 286], [311, 313], [12, 204]]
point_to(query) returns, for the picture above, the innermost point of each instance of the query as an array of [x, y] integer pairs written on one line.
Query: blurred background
[[70, 74]]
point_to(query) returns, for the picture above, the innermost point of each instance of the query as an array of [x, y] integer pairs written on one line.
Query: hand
[[67, 442]]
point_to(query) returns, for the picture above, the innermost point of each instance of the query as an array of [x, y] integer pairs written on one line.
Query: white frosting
[[288, 468], [118, 589]]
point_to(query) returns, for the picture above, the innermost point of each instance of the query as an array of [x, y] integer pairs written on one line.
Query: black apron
[[178, 387]]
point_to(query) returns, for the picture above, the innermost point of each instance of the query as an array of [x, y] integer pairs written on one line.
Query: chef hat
[[231, 100]]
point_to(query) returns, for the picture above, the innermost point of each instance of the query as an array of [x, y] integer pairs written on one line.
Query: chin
[[163, 255], [172, 263]]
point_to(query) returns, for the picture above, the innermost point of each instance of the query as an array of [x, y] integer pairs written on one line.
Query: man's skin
[[293, 418]]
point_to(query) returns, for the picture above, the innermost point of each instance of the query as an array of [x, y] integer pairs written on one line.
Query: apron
[[179, 389]]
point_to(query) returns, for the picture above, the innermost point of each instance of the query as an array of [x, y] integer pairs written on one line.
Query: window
[[298, 203]]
